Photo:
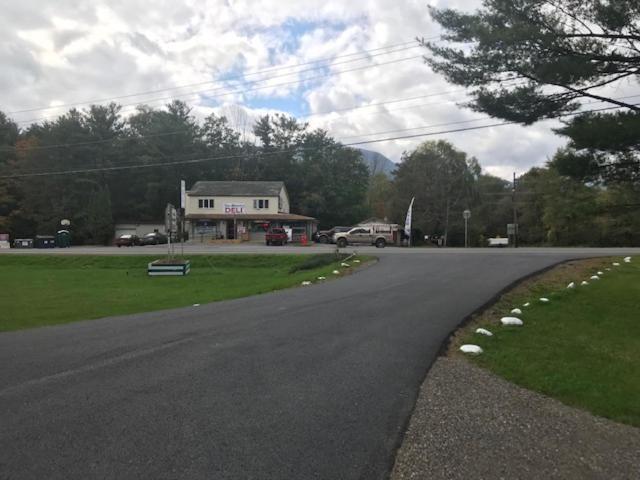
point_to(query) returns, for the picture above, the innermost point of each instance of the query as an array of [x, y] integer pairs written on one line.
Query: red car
[[276, 236], [127, 240]]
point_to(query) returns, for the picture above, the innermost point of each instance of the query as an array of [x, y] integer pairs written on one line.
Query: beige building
[[242, 211]]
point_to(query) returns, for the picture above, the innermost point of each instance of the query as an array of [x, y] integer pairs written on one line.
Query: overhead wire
[[223, 79], [279, 152], [258, 81]]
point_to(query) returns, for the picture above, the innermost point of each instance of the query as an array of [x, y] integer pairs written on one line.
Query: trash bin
[[23, 243], [63, 239], [45, 241]]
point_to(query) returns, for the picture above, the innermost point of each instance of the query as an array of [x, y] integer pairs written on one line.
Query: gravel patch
[[469, 423]]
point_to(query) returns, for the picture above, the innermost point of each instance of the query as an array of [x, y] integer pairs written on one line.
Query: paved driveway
[[313, 382]]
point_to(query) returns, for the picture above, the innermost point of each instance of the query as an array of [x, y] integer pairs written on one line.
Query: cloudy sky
[[243, 58]]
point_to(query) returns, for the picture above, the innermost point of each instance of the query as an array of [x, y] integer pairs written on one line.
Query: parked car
[[276, 236], [326, 236], [127, 240], [154, 238], [369, 235]]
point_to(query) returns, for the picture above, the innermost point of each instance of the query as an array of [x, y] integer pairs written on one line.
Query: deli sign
[[234, 208]]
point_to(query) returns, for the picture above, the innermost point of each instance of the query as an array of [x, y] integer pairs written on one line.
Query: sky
[[351, 68]]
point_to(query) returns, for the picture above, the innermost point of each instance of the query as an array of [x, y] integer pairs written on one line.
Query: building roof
[[237, 189], [284, 217]]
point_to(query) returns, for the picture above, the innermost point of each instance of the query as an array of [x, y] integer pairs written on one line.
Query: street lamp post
[[467, 215]]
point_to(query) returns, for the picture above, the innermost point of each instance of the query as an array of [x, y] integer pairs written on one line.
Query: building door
[[231, 229]]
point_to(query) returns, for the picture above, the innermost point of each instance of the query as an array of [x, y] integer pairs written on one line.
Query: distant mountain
[[377, 162]]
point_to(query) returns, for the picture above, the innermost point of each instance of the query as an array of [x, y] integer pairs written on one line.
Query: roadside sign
[[512, 228], [466, 214], [171, 218]]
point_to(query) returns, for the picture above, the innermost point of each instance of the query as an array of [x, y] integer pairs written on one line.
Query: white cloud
[[57, 53]]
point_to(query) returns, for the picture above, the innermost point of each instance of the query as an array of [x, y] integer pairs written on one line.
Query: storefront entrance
[[231, 229]]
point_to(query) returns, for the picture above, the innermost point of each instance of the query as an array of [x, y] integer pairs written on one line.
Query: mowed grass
[[40, 290], [582, 348]]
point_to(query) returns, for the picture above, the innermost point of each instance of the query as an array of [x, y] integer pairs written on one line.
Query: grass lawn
[[582, 348], [42, 290]]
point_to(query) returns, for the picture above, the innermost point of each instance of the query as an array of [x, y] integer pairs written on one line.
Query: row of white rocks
[[306, 283], [517, 322]]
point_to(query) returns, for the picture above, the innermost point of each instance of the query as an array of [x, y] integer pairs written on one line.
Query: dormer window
[[261, 204]]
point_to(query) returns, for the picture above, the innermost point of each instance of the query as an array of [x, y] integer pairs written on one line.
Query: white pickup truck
[[365, 235]]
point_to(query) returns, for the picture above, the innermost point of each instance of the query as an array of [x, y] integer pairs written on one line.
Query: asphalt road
[[307, 383]]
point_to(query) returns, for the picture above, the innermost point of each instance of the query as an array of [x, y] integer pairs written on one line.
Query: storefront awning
[[265, 217]]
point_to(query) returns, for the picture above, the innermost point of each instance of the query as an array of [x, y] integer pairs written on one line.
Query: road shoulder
[[469, 423]]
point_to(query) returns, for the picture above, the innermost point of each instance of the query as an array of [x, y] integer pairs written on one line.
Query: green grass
[[40, 290], [582, 348]]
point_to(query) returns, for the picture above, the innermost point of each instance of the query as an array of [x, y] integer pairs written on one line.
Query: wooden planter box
[[164, 267]]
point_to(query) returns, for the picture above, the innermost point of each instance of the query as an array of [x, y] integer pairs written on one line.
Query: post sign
[[171, 218], [466, 214], [512, 228], [234, 208]]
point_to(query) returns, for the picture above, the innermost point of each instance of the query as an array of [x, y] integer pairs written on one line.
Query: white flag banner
[[407, 222]]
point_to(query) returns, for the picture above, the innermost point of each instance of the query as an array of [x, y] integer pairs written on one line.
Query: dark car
[[326, 236], [127, 240], [155, 238]]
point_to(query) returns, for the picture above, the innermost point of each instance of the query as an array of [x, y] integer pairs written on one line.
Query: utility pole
[[515, 213], [467, 215]]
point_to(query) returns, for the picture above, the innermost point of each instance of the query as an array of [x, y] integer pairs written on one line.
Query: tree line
[[554, 205], [324, 179]]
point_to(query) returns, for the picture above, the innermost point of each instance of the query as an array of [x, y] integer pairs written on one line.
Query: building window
[[260, 204], [205, 203]]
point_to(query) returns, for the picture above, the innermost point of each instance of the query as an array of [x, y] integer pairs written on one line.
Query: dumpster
[[44, 241], [63, 239], [23, 243]]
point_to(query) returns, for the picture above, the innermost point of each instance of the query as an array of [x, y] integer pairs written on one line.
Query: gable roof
[[237, 189]]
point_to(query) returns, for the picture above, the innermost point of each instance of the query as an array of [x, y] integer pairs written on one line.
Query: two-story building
[[242, 211]]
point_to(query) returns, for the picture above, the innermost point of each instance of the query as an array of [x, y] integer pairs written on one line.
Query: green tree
[[442, 180], [533, 59], [379, 195]]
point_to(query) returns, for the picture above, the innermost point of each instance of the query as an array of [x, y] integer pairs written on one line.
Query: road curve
[[307, 383]]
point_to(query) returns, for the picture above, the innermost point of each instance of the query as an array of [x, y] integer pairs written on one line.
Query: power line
[[175, 132], [295, 150], [235, 77], [198, 92]]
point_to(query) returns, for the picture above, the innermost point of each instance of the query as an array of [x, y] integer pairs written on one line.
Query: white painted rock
[[322, 278], [608, 269], [600, 273], [345, 265], [471, 349], [516, 311], [306, 283], [484, 331], [584, 282], [511, 321], [571, 285], [615, 264], [544, 299], [196, 304], [594, 277], [356, 261], [526, 304], [336, 272], [627, 259]]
